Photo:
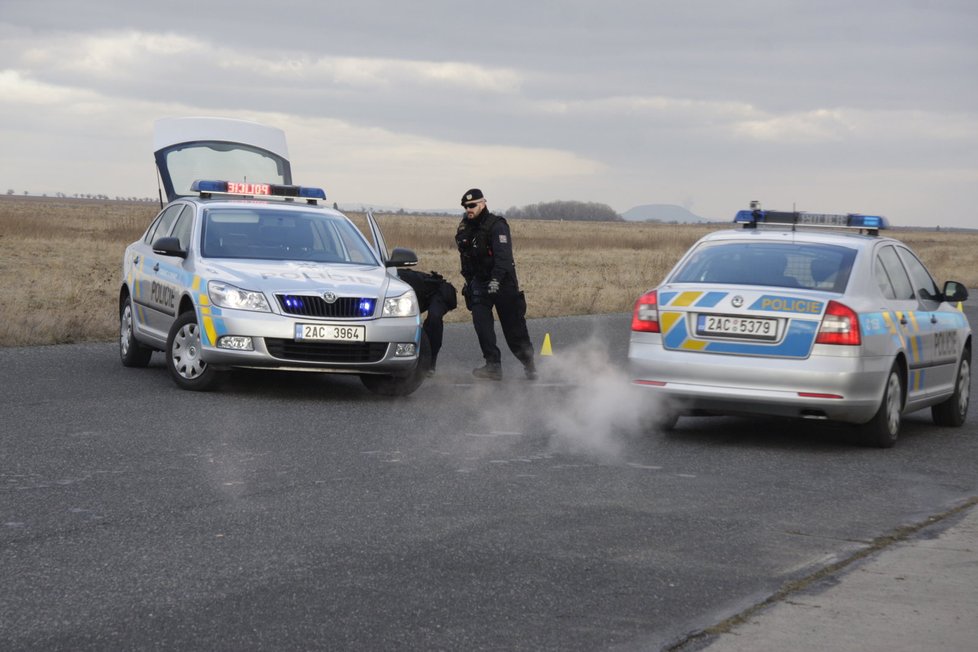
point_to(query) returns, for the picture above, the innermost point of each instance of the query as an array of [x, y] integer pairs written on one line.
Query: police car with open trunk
[[243, 269]]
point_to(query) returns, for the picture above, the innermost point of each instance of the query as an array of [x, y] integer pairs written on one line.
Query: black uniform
[[436, 297], [486, 250]]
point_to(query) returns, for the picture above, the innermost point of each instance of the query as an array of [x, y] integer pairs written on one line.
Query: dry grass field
[[60, 262]]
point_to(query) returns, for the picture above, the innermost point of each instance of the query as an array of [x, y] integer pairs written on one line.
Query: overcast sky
[[829, 106]]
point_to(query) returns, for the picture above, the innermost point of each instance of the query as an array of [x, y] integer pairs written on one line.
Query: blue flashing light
[[366, 307], [312, 193], [203, 185], [869, 221]]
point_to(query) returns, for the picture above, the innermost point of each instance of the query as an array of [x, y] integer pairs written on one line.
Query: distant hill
[[661, 213]]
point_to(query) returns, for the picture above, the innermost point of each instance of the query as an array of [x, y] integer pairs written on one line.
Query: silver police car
[[237, 273], [804, 315]]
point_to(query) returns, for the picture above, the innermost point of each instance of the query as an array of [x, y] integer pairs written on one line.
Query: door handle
[[903, 319], [135, 260], [156, 268], [933, 318]]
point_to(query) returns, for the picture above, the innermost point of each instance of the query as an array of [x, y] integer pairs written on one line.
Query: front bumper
[[275, 346]]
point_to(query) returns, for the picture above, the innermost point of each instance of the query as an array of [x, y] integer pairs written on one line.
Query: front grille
[[310, 305], [326, 352]]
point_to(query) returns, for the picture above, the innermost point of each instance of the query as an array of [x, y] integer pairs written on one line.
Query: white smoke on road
[[594, 408]]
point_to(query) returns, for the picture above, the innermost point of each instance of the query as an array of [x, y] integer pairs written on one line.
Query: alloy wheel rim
[[125, 333], [964, 386], [893, 404], [186, 352]]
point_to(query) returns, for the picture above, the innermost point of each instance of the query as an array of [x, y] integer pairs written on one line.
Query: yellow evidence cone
[[545, 349]]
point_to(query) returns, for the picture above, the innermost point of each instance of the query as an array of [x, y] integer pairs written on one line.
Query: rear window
[[808, 266]]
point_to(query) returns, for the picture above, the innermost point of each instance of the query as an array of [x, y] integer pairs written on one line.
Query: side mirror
[[954, 292], [169, 247], [401, 257]]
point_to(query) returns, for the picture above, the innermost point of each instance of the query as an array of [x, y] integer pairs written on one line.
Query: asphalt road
[[298, 511]]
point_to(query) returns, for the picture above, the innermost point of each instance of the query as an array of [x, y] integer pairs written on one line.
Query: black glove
[[493, 286]]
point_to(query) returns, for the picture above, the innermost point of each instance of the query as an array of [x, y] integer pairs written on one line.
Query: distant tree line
[[83, 195], [566, 210]]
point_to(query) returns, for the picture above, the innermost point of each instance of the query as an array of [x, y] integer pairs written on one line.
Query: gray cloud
[[869, 106]]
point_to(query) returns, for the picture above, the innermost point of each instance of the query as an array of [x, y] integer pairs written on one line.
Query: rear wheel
[[131, 352], [401, 385], [954, 410], [183, 359], [882, 430]]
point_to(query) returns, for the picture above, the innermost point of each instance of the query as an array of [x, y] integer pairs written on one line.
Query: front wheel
[[183, 359], [401, 385], [131, 352], [882, 430], [954, 410]]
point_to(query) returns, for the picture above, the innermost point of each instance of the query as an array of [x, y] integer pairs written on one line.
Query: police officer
[[486, 251], [436, 297]]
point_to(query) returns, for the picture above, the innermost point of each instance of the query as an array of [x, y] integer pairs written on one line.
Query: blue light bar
[[751, 218], [205, 186], [312, 193], [202, 185]]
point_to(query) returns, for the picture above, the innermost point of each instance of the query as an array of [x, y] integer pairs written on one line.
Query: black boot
[[531, 371], [491, 371]]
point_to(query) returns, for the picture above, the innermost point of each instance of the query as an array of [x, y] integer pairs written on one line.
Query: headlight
[[405, 305], [229, 296]]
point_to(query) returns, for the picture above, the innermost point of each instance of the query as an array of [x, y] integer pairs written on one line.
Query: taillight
[[646, 315], [840, 325]]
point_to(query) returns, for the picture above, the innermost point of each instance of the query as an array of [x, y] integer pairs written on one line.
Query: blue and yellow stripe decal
[[796, 343], [212, 324]]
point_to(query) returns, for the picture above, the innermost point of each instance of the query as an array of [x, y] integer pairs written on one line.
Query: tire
[[401, 385], [954, 410], [884, 428], [183, 351], [131, 352]]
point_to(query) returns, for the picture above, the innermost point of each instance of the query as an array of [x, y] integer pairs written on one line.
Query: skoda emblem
[[736, 302], [329, 297]]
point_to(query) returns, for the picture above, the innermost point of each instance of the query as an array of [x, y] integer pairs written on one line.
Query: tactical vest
[[475, 244]]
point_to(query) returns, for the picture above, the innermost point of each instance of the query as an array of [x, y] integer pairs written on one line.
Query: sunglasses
[[472, 204]]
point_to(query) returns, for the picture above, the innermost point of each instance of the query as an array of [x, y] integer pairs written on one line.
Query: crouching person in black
[[486, 250], [436, 298]]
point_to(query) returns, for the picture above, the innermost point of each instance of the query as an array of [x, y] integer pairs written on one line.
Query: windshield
[[267, 234], [808, 266]]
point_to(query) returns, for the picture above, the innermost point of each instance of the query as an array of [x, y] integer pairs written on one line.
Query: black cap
[[473, 194]]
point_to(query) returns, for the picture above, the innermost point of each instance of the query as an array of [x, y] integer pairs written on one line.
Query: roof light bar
[[871, 223], [207, 187]]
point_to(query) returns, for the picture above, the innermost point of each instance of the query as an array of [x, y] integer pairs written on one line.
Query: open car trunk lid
[[188, 149]]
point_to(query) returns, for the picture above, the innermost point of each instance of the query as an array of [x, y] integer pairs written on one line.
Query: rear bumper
[[833, 383]]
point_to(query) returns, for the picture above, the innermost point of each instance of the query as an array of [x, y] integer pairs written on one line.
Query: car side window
[[888, 263], [183, 229], [924, 286], [883, 280], [151, 231], [162, 226]]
